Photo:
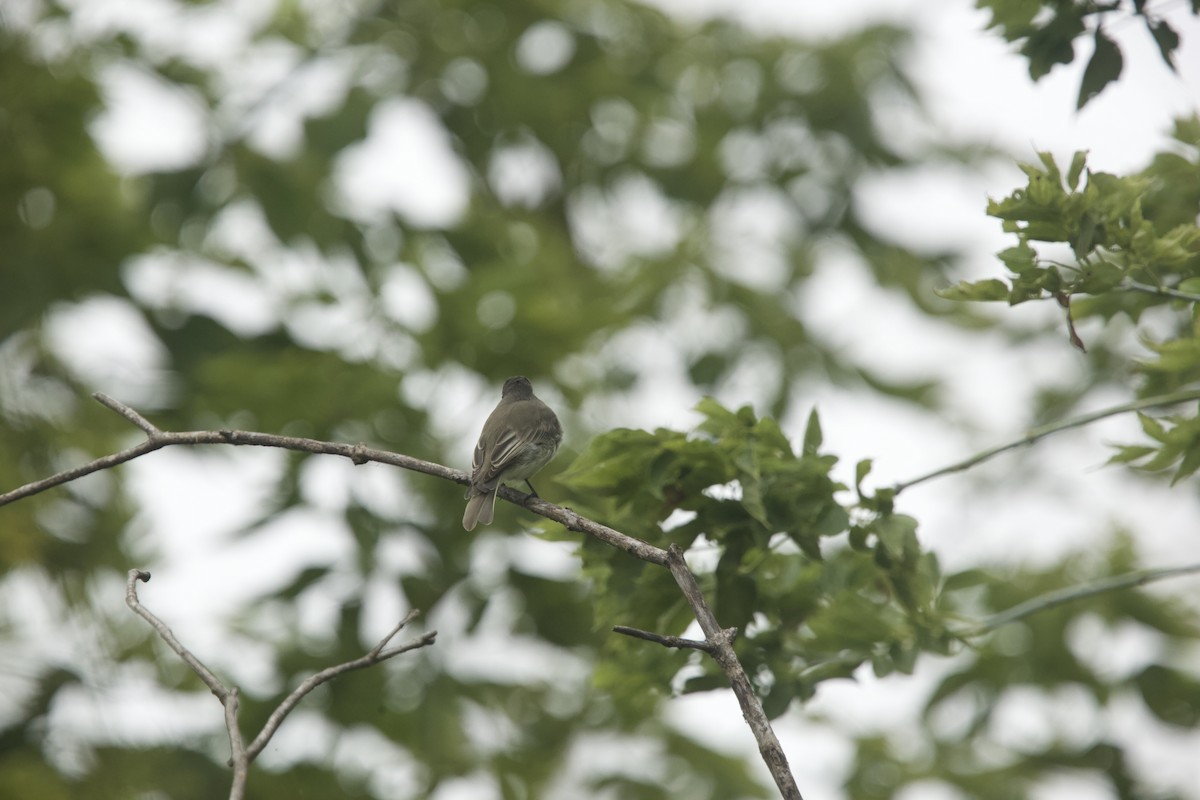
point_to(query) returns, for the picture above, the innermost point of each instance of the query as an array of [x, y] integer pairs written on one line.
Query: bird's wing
[[508, 444]]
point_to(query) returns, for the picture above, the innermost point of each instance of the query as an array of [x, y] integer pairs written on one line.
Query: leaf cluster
[[1118, 230], [1046, 31], [816, 586], [1134, 251]]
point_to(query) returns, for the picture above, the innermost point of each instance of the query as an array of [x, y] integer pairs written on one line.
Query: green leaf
[[812, 434], [1166, 38], [1100, 277], [858, 537], [779, 698], [861, 470], [965, 579], [1187, 129], [705, 683], [986, 290], [718, 420], [1011, 16], [1152, 427], [611, 460], [1053, 43], [301, 582], [1077, 164], [1052, 172], [1188, 465], [904, 656], [898, 536], [1019, 259], [1167, 455], [1130, 453], [1103, 68], [1170, 695], [852, 621], [832, 520]]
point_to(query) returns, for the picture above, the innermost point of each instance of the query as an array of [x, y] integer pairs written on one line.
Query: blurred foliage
[[1047, 31], [1132, 250], [623, 173]]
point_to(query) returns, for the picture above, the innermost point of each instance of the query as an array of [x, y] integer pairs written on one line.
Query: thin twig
[[665, 641], [1043, 431], [128, 413], [1072, 593], [375, 656], [1131, 285], [66, 476], [242, 756], [206, 675], [157, 440], [228, 696]]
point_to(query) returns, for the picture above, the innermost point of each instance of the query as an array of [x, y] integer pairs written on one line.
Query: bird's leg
[[532, 490]]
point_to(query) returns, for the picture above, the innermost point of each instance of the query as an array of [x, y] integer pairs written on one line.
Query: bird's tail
[[480, 509]]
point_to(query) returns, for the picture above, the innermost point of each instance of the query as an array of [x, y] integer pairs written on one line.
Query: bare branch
[[66, 476], [580, 524], [721, 644], [128, 413], [240, 755], [237, 747], [227, 695], [357, 453], [409, 617], [131, 599], [1173, 398], [375, 656], [718, 641], [1072, 593], [665, 641]]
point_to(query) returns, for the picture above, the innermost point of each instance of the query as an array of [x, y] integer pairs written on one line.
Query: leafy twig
[[1072, 593], [1131, 285], [1043, 431]]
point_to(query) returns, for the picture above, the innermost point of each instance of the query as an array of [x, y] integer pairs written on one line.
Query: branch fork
[[241, 754]]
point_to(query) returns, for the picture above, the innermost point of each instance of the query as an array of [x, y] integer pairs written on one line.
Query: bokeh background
[[353, 220]]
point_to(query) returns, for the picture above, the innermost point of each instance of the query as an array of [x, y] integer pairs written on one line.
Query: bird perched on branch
[[519, 438]]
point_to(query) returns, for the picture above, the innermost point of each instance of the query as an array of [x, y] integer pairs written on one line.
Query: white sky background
[[976, 89]]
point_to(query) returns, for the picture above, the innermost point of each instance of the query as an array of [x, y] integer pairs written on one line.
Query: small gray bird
[[520, 437]]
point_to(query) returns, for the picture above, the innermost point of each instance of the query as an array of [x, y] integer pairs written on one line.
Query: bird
[[520, 437]]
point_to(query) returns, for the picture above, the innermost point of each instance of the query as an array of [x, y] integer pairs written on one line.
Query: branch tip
[[146, 426], [666, 641], [409, 617]]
